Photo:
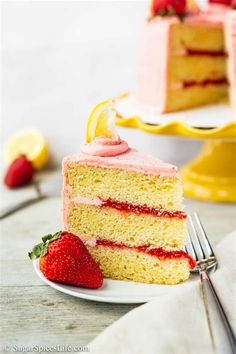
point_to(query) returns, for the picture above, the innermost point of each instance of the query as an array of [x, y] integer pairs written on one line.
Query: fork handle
[[222, 335]]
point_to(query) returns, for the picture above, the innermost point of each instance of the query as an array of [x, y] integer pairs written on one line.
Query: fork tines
[[197, 244]]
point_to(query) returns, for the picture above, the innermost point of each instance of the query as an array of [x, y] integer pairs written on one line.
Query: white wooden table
[[35, 314]]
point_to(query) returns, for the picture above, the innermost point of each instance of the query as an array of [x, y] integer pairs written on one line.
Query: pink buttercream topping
[[213, 16], [104, 147], [231, 44], [131, 160]]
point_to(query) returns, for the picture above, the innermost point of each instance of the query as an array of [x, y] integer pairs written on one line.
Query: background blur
[[60, 58]]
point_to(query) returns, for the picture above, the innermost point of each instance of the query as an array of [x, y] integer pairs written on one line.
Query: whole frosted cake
[[127, 208], [183, 57]]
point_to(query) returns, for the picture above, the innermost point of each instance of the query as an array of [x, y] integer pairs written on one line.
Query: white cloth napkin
[[174, 323]]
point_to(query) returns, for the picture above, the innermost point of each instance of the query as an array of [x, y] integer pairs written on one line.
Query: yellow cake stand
[[211, 176]]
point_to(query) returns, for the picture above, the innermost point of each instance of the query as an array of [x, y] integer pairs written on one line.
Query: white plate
[[212, 116], [116, 291]]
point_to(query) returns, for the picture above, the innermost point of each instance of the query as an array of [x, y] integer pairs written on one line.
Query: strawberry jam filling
[[155, 252], [218, 53], [141, 209], [187, 84]]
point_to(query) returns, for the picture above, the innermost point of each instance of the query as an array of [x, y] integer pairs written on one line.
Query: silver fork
[[198, 246]]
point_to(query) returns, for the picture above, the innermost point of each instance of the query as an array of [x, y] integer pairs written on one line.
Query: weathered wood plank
[[44, 316]]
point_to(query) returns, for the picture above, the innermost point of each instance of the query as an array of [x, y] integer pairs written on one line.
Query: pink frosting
[[79, 199], [231, 47], [214, 16], [131, 160], [91, 243], [152, 67], [102, 146]]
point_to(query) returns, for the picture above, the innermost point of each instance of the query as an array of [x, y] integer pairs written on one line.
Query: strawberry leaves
[[170, 12], [40, 249]]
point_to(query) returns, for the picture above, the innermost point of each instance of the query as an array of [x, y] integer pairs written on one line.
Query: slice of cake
[[182, 60], [127, 208]]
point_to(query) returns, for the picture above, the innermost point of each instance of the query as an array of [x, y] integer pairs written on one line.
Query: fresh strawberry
[[233, 4], [19, 173], [65, 259], [168, 7]]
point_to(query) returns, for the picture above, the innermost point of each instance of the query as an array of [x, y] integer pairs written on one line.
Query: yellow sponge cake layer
[[120, 185], [90, 221], [196, 95], [196, 68], [194, 36], [126, 264]]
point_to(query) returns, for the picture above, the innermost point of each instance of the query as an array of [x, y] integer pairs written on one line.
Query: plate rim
[[96, 298]]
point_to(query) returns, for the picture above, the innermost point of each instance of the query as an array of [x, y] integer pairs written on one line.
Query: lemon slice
[[30, 143], [101, 122]]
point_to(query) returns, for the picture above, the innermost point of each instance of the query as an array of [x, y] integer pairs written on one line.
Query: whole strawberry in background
[[65, 259], [168, 7], [233, 4], [19, 173]]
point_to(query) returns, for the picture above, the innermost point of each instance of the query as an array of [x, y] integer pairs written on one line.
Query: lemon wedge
[[30, 143], [101, 122]]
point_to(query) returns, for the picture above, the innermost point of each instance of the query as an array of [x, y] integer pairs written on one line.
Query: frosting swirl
[[103, 147]]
